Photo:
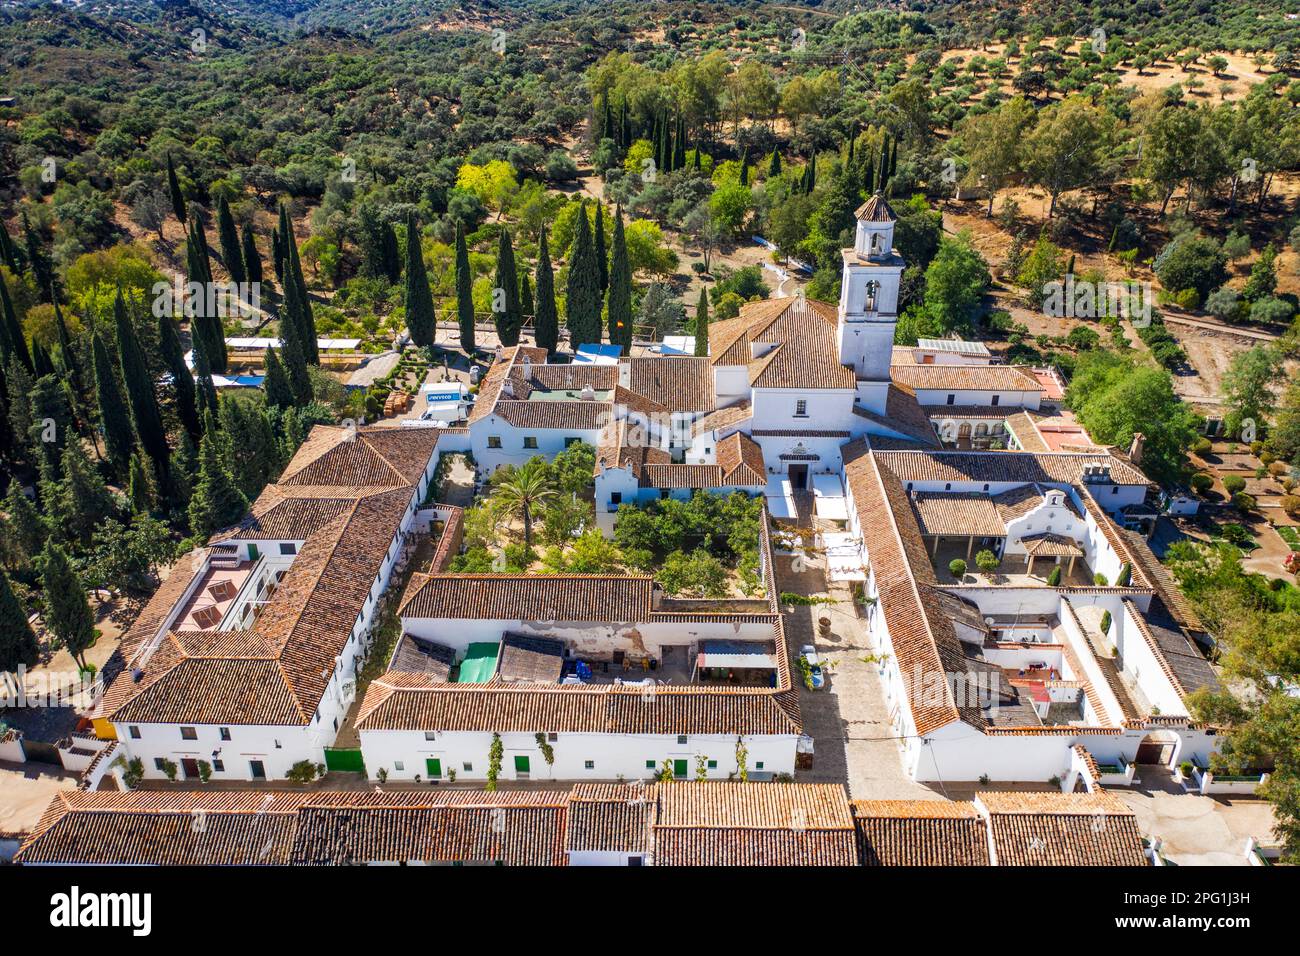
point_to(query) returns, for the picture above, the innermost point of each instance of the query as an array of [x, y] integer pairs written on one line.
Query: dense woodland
[[596, 169]]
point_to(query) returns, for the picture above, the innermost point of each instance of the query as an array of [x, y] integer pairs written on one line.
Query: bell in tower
[[868, 309]]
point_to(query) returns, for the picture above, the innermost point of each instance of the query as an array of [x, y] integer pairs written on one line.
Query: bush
[[1193, 262], [1278, 469], [1125, 575], [957, 568], [1201, 482], [1105, 622], [304, 772], [1234, 484], [987, 561], [1291, 505], [1054, 579], [1202, 447], [1100, 580], [1225, 305], [1272, 311], [1243, 502]]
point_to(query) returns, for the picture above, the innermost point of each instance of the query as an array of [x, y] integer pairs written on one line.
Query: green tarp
[[479, 665]]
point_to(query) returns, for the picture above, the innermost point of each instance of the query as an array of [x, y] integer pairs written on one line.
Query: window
[[135, 732], [278, 745], [801, 408], [552, 738], [430, 735], [530, 441], [681, 738], [468, 767], [713, 765], [189, 733], [225, 733], [986, 486], [288, 547], [398, 765], [571, 441], [759, 765], [589, 765], [159, 763], [665, 493], [1114, 489], [494, 441], [952, 399], [995, 399], [218, 766], [650, 765]]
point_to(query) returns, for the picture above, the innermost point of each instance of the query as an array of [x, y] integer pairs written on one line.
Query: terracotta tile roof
[[415, 656], [741, 461], [1167, 590], [527, 376], [611, 818], [1019, 467], [803, 330], [622, 445], [875, 209], [576, 415], [626, 398], [923, 638], [509, 597], [983, 378], [490, 386], [283, 512], [1047, 544], [520, 828], [1022, 426], [682, 383], [276, 672], [1055, 829], [1019, 501], [727, 417], [360, 457], [920, 833], [1184, 665], [957, 513], [681, 476], [736, 824], [903, 416]]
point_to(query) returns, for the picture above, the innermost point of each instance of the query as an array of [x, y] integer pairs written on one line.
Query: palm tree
[[525, 490]]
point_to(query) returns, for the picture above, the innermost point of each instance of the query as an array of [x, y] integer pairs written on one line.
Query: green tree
[[67, 612], [24, 523], [993, 142], [420, 318], [13, 344], [114, 415], [141, 397], [1248, 385], [279, 393], [1067, 148], [619, 308], [546, 323], [17, 639], [140, 489], [174, 191], [526, 491], [216, 501], [252, 258], [182, 382], [465, 292], [583, 293], [601, 249], [232, 254], [702, 324], [293, 351], [955, 282], [505, 293]]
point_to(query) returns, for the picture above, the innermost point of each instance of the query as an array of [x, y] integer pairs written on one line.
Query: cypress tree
[[140, 392], [25, 522], [79, 502], [67, 612], [695, 163], [216, 502], [505, 293], [114, 418], [8, 251], [139, 487], [702, 325], [279, 393], [204, 321], [602, 250], [546, 325], [619, 307], [254, 459], [18, 386], [774, 167], [526, 306], [42, 364], [277, 254], [205, 392], [49, 407], [38, 261], [182, 469], [744, 168], [18, 645], [420, 319], [174, 190], [67, 355], [291, 346], [391, 256], [173, 354], [583, 294], [679, 150], [252, 259], [232, 254], [464, 293], [13, 343], [293, 272]]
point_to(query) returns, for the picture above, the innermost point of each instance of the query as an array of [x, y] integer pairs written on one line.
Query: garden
[[538, 518]]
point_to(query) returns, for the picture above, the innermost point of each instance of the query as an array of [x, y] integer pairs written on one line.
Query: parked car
[[817, 677]]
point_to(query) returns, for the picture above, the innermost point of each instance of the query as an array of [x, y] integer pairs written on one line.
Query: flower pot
[[823, 626]]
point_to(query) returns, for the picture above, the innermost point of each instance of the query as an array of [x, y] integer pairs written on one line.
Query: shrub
[[1225, 305], [1125, 575], [1271, 311], [1100, 580], [304, 772], [1193, 262], [1243, 502], [1234, 484], [987, 561], [1054, 579], [1291, 505], [1201, 482], [1202, 447], [1105, 622], [1278, 469], [957, 568]]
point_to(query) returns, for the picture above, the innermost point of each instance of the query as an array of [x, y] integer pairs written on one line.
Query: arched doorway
[[1158, 747]]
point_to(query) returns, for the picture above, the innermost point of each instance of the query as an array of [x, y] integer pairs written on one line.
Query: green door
[[679, 769], [434, 767], [252, 552], [521, 765]]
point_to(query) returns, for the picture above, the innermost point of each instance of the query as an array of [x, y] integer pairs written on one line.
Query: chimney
[[1135, 449], [508, 388], [625, 374], [588, 393]]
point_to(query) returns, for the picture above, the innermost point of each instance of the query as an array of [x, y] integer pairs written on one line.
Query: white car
[[808, 653]]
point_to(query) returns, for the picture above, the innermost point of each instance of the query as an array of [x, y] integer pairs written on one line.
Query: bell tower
[[869, 302]]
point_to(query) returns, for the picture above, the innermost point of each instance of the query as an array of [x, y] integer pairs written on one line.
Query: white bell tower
[[869, 302]]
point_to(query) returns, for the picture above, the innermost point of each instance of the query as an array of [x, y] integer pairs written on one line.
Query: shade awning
[[735, 654], [828, 498], [780, 497]]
